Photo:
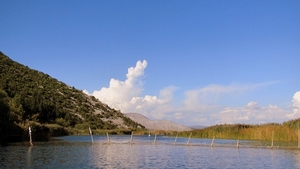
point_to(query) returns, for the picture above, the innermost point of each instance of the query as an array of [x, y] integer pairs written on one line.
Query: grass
[[286, 132]]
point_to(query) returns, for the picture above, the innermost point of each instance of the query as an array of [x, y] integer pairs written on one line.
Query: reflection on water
[[79, 152], [296, 158], [29, 156]]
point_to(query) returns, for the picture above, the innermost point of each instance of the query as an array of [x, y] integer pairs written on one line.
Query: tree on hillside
[[16, 108], [4, 115], [4, 108]]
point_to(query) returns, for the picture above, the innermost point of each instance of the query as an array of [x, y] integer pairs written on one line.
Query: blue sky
[[192, 62]]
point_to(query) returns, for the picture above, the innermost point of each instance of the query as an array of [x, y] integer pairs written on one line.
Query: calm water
[[78, 152]]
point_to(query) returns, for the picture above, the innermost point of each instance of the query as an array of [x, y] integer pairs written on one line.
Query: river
[[144, 152]]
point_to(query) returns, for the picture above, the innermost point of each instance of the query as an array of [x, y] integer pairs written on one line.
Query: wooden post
[[131, 137], [212, 142], [91, 133], [154, 142], [188, 142], [238, 144], [298, 137], [108, 140], [175, 139], [272, 139], [30, 138]]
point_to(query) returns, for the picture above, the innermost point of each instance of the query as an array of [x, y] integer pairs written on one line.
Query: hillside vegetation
[[30, 97]]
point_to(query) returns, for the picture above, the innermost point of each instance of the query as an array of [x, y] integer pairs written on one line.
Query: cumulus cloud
[[119, 93], [153, 106], [252, 113], [199, 105], [296, 101], [126, 95], [296, 106]]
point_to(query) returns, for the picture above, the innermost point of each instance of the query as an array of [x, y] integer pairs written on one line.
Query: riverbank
[[286, 132], [74, 131], [43, 132], [40, 132]]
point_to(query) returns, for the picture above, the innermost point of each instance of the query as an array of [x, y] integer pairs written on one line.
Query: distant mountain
[[197, 127], [30, 95], [156, 124]]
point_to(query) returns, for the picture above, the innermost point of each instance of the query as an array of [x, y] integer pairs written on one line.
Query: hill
[[197, 127], [30, 97], [156, 124]]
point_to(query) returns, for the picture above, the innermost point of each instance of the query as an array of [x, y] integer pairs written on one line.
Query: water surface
[[141, 152]]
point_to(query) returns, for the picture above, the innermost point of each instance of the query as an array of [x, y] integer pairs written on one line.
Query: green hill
[[30, 97]]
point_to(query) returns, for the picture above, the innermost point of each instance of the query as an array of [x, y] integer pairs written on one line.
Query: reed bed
[[285, 132]]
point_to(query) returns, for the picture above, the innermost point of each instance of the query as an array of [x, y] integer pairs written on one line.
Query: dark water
[[78, 152]]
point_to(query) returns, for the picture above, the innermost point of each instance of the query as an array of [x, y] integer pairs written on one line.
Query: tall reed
[[282, 132]]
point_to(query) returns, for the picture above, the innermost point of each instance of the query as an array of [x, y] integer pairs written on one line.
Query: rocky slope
[[32, 95], [156, 124]]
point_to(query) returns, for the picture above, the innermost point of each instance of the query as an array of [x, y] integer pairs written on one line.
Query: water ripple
[[78, 152]]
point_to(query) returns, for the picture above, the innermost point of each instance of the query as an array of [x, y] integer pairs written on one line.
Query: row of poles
[[188, 142], [108, 138], [211, 144], [154, 142]]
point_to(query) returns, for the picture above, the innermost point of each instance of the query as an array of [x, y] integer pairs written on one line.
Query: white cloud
[[200, 120], [153, 106], [199, 105], [252, 113], [126, 95], [119, 93], [296, 101], [296, 106], [86, 92], [178, 115], [198, 99]]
